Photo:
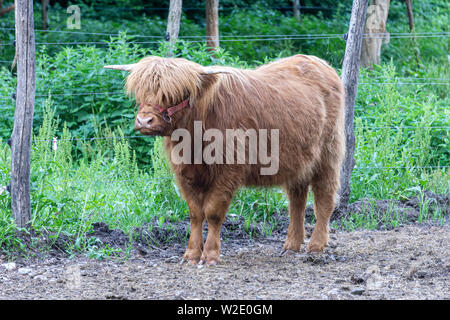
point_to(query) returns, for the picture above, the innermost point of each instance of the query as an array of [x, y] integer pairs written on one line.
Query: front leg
[[197, 217]]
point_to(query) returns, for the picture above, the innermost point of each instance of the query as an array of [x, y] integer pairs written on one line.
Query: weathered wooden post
[[297, 10], [409, 7], [173, 20], [23, 116], [375, 32], [173, 24], [212, 23], [45, 14], [410, 14], [350, 72]]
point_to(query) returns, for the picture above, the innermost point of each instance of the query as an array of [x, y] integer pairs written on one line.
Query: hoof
[[290, 246], [318, 242], [288, 252], [191, 256], [314, 247], [189, 261], [209, 260]]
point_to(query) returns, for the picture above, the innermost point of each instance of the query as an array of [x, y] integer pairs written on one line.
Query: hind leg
[[215, 207], [324, 189], [298, 195]]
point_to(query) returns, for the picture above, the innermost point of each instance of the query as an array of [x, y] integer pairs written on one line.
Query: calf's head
[[165, 89]]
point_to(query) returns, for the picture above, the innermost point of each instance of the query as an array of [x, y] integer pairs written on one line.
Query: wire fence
[[445, 128], [79, 92], [107, 43], [150, 179], [245, 38], [165, 178], [234, 38], [50, 94]]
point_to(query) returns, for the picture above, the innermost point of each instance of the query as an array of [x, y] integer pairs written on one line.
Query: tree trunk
[[410, 14], [173, 20], [212, 23], [297, 10], [45, 14], [23, 116], [375, 32], [350, 72]]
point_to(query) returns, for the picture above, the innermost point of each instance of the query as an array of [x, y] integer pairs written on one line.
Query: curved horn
[[214, 70], [124, 67]]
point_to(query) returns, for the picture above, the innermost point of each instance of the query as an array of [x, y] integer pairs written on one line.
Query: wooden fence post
[[375, 31], [410, 14], [350, 72], [45, 14], [212, 23], [297, 10], [23, 116], [173, 20]]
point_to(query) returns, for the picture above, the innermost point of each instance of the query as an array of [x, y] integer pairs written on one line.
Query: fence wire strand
[[257, 36], [446, 128], [45, 94], [165, 178], [251, 38]]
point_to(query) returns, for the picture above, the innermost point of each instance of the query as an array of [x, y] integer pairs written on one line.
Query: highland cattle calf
[[286, 117]]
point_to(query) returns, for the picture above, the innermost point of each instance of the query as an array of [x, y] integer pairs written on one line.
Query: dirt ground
[[409, 262]]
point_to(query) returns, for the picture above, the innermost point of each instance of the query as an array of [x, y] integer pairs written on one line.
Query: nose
[[141, 123]]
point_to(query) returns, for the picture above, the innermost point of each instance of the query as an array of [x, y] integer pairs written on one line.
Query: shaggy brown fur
[[301, 96]]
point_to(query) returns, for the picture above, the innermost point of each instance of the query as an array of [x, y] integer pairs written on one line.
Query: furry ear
[[124, 67]]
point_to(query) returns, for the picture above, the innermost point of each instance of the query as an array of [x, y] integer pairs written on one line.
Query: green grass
[[400, 126], [371, 219], [401, 130]]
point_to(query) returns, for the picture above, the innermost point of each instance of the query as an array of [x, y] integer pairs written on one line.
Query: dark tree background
[[194, 9]]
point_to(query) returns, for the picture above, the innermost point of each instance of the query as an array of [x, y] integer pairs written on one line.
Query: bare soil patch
[[410, 262]]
